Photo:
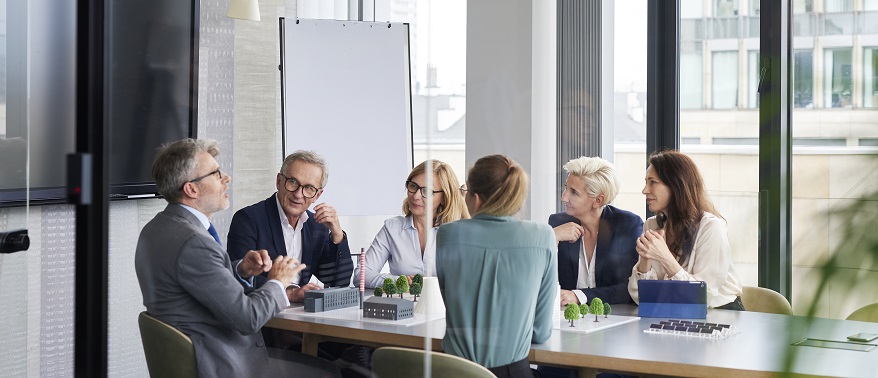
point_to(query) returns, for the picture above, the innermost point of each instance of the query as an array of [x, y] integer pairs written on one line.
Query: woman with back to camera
[[403, 240], [497, 275], [689, 241]]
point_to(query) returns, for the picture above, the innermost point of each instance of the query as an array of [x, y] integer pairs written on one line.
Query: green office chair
[[169, 352], [760, 299], [867, 313], [401, 362]]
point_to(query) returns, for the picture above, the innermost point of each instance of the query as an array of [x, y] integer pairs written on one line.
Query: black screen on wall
[[151, 49]]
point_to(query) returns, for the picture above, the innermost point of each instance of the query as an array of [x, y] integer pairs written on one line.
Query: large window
[[870, 77], [803, 79], [838, 78], [691, 90], [724, 80]]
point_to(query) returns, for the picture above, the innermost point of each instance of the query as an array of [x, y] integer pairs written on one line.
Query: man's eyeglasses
[[413, 188], [292, 185], [463, 190], [217, 172]]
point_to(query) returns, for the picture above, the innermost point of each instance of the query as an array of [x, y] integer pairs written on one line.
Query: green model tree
[[415, 290], [597, 307], [389, 287], [402, 285], [571, 313], [607, 309], [378, 291], [583, 309], [418, 278]]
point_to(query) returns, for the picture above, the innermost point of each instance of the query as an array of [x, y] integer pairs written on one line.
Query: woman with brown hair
[[403, 240], [687, 239]]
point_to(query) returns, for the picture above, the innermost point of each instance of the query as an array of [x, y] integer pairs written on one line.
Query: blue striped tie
[[213, 233]]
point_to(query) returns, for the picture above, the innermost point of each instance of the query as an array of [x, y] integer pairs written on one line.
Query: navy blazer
[[258, 227], [615, 255]]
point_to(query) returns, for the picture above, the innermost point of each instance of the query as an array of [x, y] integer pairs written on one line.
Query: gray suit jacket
[[187, 281]]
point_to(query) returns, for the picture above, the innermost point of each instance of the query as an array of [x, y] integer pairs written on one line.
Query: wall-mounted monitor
[[151, 86]]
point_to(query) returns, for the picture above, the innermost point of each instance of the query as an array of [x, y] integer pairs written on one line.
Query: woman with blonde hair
[[687, 239], [403, 240], [497, 274], [595, 239]]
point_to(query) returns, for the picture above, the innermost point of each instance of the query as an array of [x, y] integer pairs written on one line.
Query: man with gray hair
[[188, 281], [283, 225]]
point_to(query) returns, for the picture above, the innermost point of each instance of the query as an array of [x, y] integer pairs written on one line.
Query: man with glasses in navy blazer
[[283, 225]]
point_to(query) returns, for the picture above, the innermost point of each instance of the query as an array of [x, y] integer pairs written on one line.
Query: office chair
[[760, 299], [867, 313], [402, 362], [169, 352]]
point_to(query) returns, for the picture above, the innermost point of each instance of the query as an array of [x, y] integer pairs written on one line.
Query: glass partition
[[834, 154]]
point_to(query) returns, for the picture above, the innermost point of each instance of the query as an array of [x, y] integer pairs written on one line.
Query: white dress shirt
[[585, 278], [398, 243], [292, 236]]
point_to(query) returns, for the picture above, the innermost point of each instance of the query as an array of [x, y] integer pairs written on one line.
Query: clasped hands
[[651, 245], [283, 268]]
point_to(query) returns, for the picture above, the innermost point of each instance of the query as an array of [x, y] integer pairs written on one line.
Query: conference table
[[760, 347]]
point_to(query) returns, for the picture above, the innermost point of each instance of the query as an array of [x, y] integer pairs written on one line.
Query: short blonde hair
[[599, 176], [453, 207], [500, 182]]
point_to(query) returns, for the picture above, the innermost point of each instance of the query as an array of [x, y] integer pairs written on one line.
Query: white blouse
[[710, 261]]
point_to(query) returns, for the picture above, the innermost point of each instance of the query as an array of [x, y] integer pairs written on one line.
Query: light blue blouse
[[499, 280], [397, 243]]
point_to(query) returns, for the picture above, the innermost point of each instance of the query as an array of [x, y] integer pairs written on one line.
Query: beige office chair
[[867, 313], [169, 352], [760, 299], [401, 362]]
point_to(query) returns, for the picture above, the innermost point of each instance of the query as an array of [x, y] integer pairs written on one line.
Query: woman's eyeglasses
[[413, 188]]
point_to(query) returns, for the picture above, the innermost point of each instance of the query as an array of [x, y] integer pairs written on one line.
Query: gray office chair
[[401, 362], [760, 299], [169, 352], [867, 313]]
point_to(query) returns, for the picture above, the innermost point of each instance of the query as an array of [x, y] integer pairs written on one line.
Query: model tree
[[389, 287], [418, 278], [378, 291], [402, 285], [415, 290], [583, 309], [597, 307], [571, 313], [607, 309]]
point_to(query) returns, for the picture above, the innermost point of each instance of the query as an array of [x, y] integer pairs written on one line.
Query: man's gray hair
[[310, 157], [175, 164]]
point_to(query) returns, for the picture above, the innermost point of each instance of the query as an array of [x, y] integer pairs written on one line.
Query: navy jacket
[[615, 255], [257, 227]]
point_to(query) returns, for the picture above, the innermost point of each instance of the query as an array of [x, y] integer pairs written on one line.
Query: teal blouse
[[499, 279]]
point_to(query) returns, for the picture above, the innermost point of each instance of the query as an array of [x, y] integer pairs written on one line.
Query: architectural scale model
[[388, 308], [331, 299]]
